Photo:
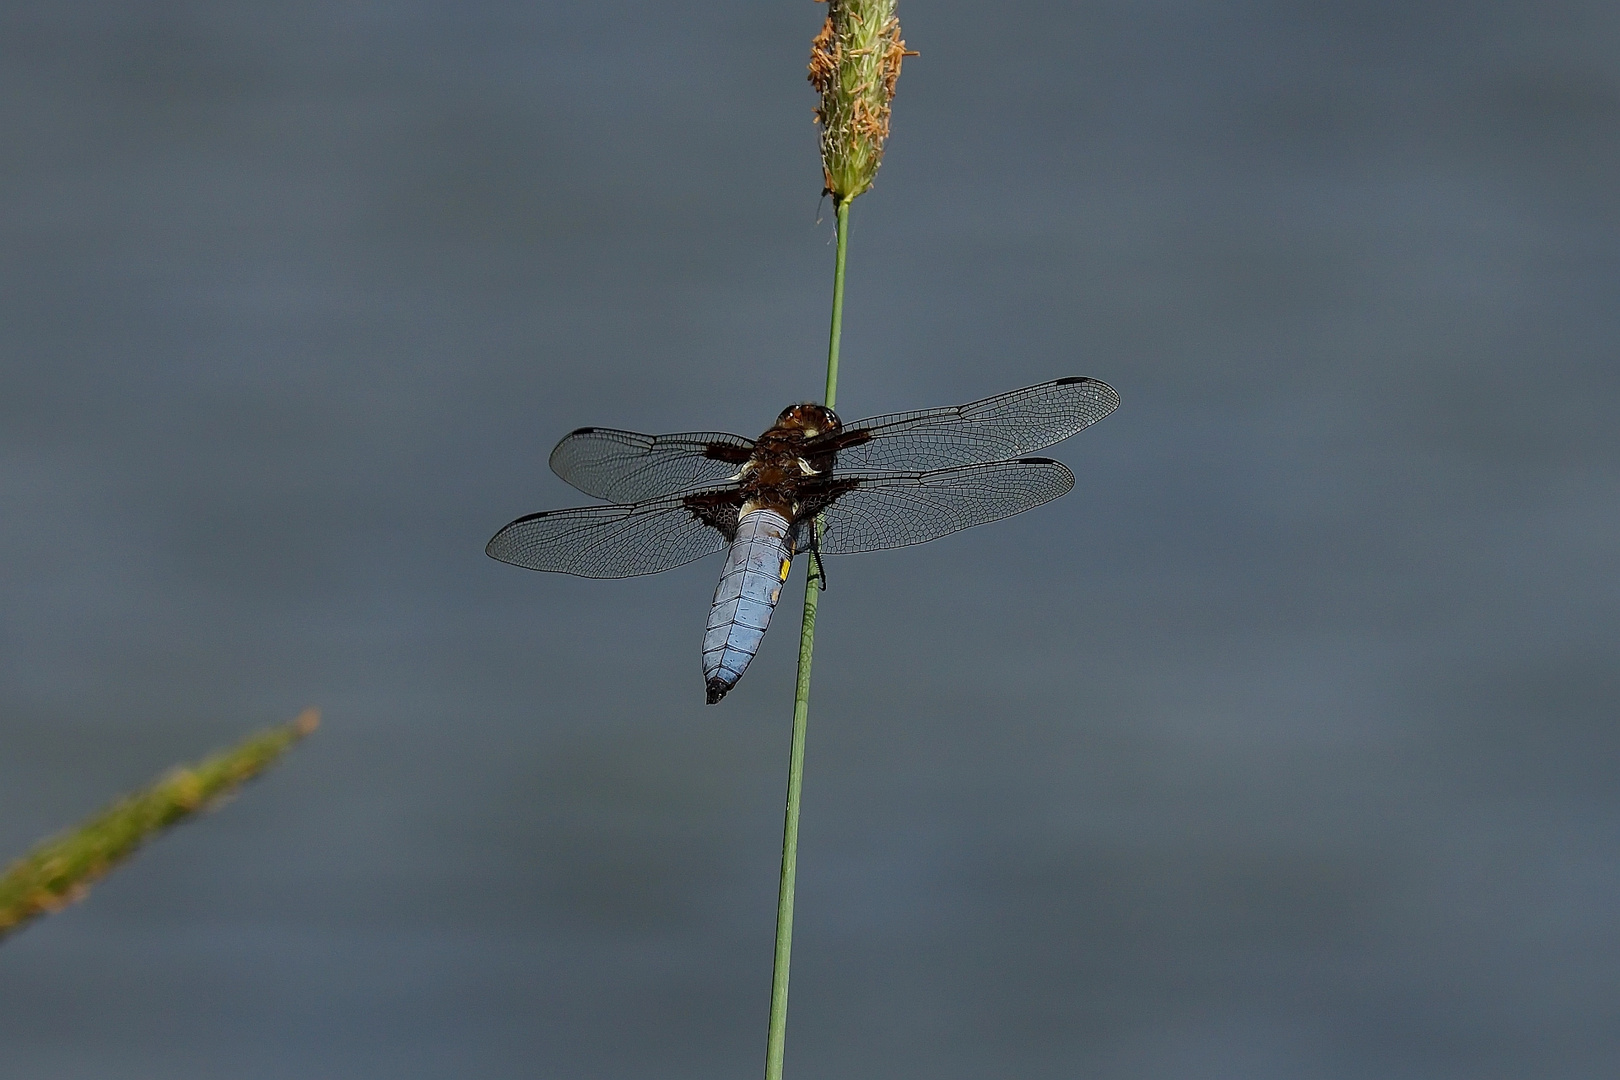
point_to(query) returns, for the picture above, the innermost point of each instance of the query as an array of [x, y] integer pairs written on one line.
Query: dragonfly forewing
[[627, 467], [1008, 425]]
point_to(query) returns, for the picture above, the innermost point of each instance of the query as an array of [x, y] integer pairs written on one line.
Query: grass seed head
[[854, 66]]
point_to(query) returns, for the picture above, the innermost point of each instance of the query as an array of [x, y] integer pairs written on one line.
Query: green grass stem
[[60, 871], [776, 1040], [837, 331]]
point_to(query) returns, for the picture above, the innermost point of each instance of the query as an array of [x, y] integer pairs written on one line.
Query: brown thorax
[[773, 474]]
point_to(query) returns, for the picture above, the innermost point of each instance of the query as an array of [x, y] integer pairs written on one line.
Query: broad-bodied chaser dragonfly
[[884, 482]]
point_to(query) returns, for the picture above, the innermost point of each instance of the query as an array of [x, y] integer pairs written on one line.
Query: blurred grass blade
[[60, 870]]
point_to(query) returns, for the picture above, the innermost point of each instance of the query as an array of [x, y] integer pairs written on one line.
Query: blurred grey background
[[1285, 747]]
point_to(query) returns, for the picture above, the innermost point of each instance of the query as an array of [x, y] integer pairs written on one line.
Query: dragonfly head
[[810, 419]]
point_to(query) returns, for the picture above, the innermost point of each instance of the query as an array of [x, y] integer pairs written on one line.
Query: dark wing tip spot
[[1038, 461], [579, 431]]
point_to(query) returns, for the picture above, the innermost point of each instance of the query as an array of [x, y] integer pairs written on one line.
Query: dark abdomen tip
[[718, 689]]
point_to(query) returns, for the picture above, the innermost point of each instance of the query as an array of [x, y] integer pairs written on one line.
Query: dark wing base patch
[[716, 509]]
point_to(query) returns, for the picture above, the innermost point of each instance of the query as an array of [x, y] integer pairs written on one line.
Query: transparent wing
[[626, 467], [617, 541], [870, 513], [1005, 426]]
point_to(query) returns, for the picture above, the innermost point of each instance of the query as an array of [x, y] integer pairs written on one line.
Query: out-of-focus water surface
[[1285, 747]]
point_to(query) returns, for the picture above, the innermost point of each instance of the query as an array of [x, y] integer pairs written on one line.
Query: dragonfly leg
[[819, 571]]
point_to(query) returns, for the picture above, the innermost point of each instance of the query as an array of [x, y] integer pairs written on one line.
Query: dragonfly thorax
[[784, 457]]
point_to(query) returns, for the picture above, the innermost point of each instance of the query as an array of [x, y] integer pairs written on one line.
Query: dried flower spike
[[854, 65]]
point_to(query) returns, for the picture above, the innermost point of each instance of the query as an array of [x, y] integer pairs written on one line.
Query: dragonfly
[[810, 484]]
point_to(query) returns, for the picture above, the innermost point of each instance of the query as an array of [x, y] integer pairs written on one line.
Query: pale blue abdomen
[[756, 566]]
